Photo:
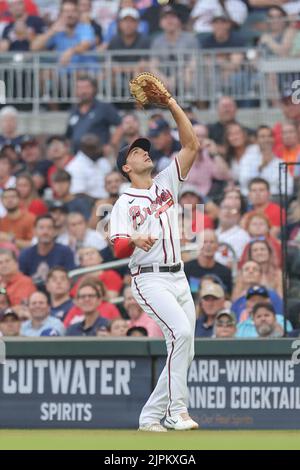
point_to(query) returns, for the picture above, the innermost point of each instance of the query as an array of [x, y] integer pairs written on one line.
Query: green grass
[[134, 440]]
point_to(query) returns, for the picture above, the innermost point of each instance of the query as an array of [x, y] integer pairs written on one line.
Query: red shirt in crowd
[[36, 207], [105, 309], [272, 212], [110, 278], [30, 8]]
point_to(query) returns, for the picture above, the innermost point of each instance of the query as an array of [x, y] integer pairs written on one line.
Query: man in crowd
[[58, 287], [225, 324], [206, 264], [41, 323], [9, 127], [164, 145], [37, 260], [87, 299], [9, 323], [88, 168], [91, 116], [138, 317], [264, 318], [17, 225], [33, 163], [18, 286], [212, 300], [58, 152]]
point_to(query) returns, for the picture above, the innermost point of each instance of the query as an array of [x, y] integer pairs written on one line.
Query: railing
[[192, 76]]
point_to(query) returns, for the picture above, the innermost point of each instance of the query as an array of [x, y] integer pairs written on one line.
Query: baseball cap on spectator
[[220, 15], [54, 205], [169, 10], [190, 188], [129, 12], [29, 140], [212, 289], [228, 313], [156, 127], [257, 290], [141, 142], [8, 313]]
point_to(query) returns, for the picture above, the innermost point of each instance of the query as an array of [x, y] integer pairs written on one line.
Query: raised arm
[[188, 139]]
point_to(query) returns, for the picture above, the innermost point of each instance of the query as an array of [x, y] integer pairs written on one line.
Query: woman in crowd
[[28, 195], [261, 252]]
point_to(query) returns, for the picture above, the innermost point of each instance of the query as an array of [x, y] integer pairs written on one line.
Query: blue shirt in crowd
[[78, 329], [50, 327]]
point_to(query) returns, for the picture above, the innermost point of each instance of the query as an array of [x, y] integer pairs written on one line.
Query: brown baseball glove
[[146, 88]]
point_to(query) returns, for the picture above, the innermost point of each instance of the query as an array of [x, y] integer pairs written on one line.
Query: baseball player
[[144, 225]]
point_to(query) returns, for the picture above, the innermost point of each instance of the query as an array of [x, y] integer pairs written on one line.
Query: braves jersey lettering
[[151, 212]]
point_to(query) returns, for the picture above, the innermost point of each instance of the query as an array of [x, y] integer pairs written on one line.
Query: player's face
[[138, 162]]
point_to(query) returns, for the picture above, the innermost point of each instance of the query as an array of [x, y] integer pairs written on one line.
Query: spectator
[[18, 286], [88, 168], [7, 180], [29, 200], [112, 28], [237, 148], [203, 13], [58, 287], [258, 227], [61, 183], [230, 233], [290, 152], [102, 207], [105, 308], [91, 116], [130, 129], [17, 225], [78, 235], [264, 164], [128, 39], [37, 260], [5, 14], [222, 35], [4, 300], [9, 127], [58, 152], [212, 300], [89, 257], [12, 152], [208, 164], [290, 6], [250, 275], [206, 264], [138, 317], [172, 40], [19, 34], [137, 332], [227, 111], [59, 213], [278, 40], [225, 324], [9, 323], [261, 252], [33, 163], [189, 197], [67, 36], [118, 328], [49, 9], [85, 11], [264, 318], [87, 299], [260, 201], [164, 145], [291, 112], [41, 323]]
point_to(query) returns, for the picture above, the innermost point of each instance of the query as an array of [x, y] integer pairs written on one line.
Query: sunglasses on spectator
[[225, 324]]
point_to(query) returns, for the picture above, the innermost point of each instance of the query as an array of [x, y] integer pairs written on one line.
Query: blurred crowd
[[57, 191]]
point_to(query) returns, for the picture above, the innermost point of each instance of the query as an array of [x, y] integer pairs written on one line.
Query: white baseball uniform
[[164, 296]]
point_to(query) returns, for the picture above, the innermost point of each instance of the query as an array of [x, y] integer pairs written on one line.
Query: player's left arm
[[188, 139]]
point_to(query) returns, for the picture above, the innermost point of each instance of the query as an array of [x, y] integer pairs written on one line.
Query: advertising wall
[[59, 383]]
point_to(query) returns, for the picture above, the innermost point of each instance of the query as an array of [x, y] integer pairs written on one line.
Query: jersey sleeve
[[120, 225], [171, 177]]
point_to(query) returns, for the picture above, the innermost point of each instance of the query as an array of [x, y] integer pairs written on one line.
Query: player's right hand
[[145, 242]]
